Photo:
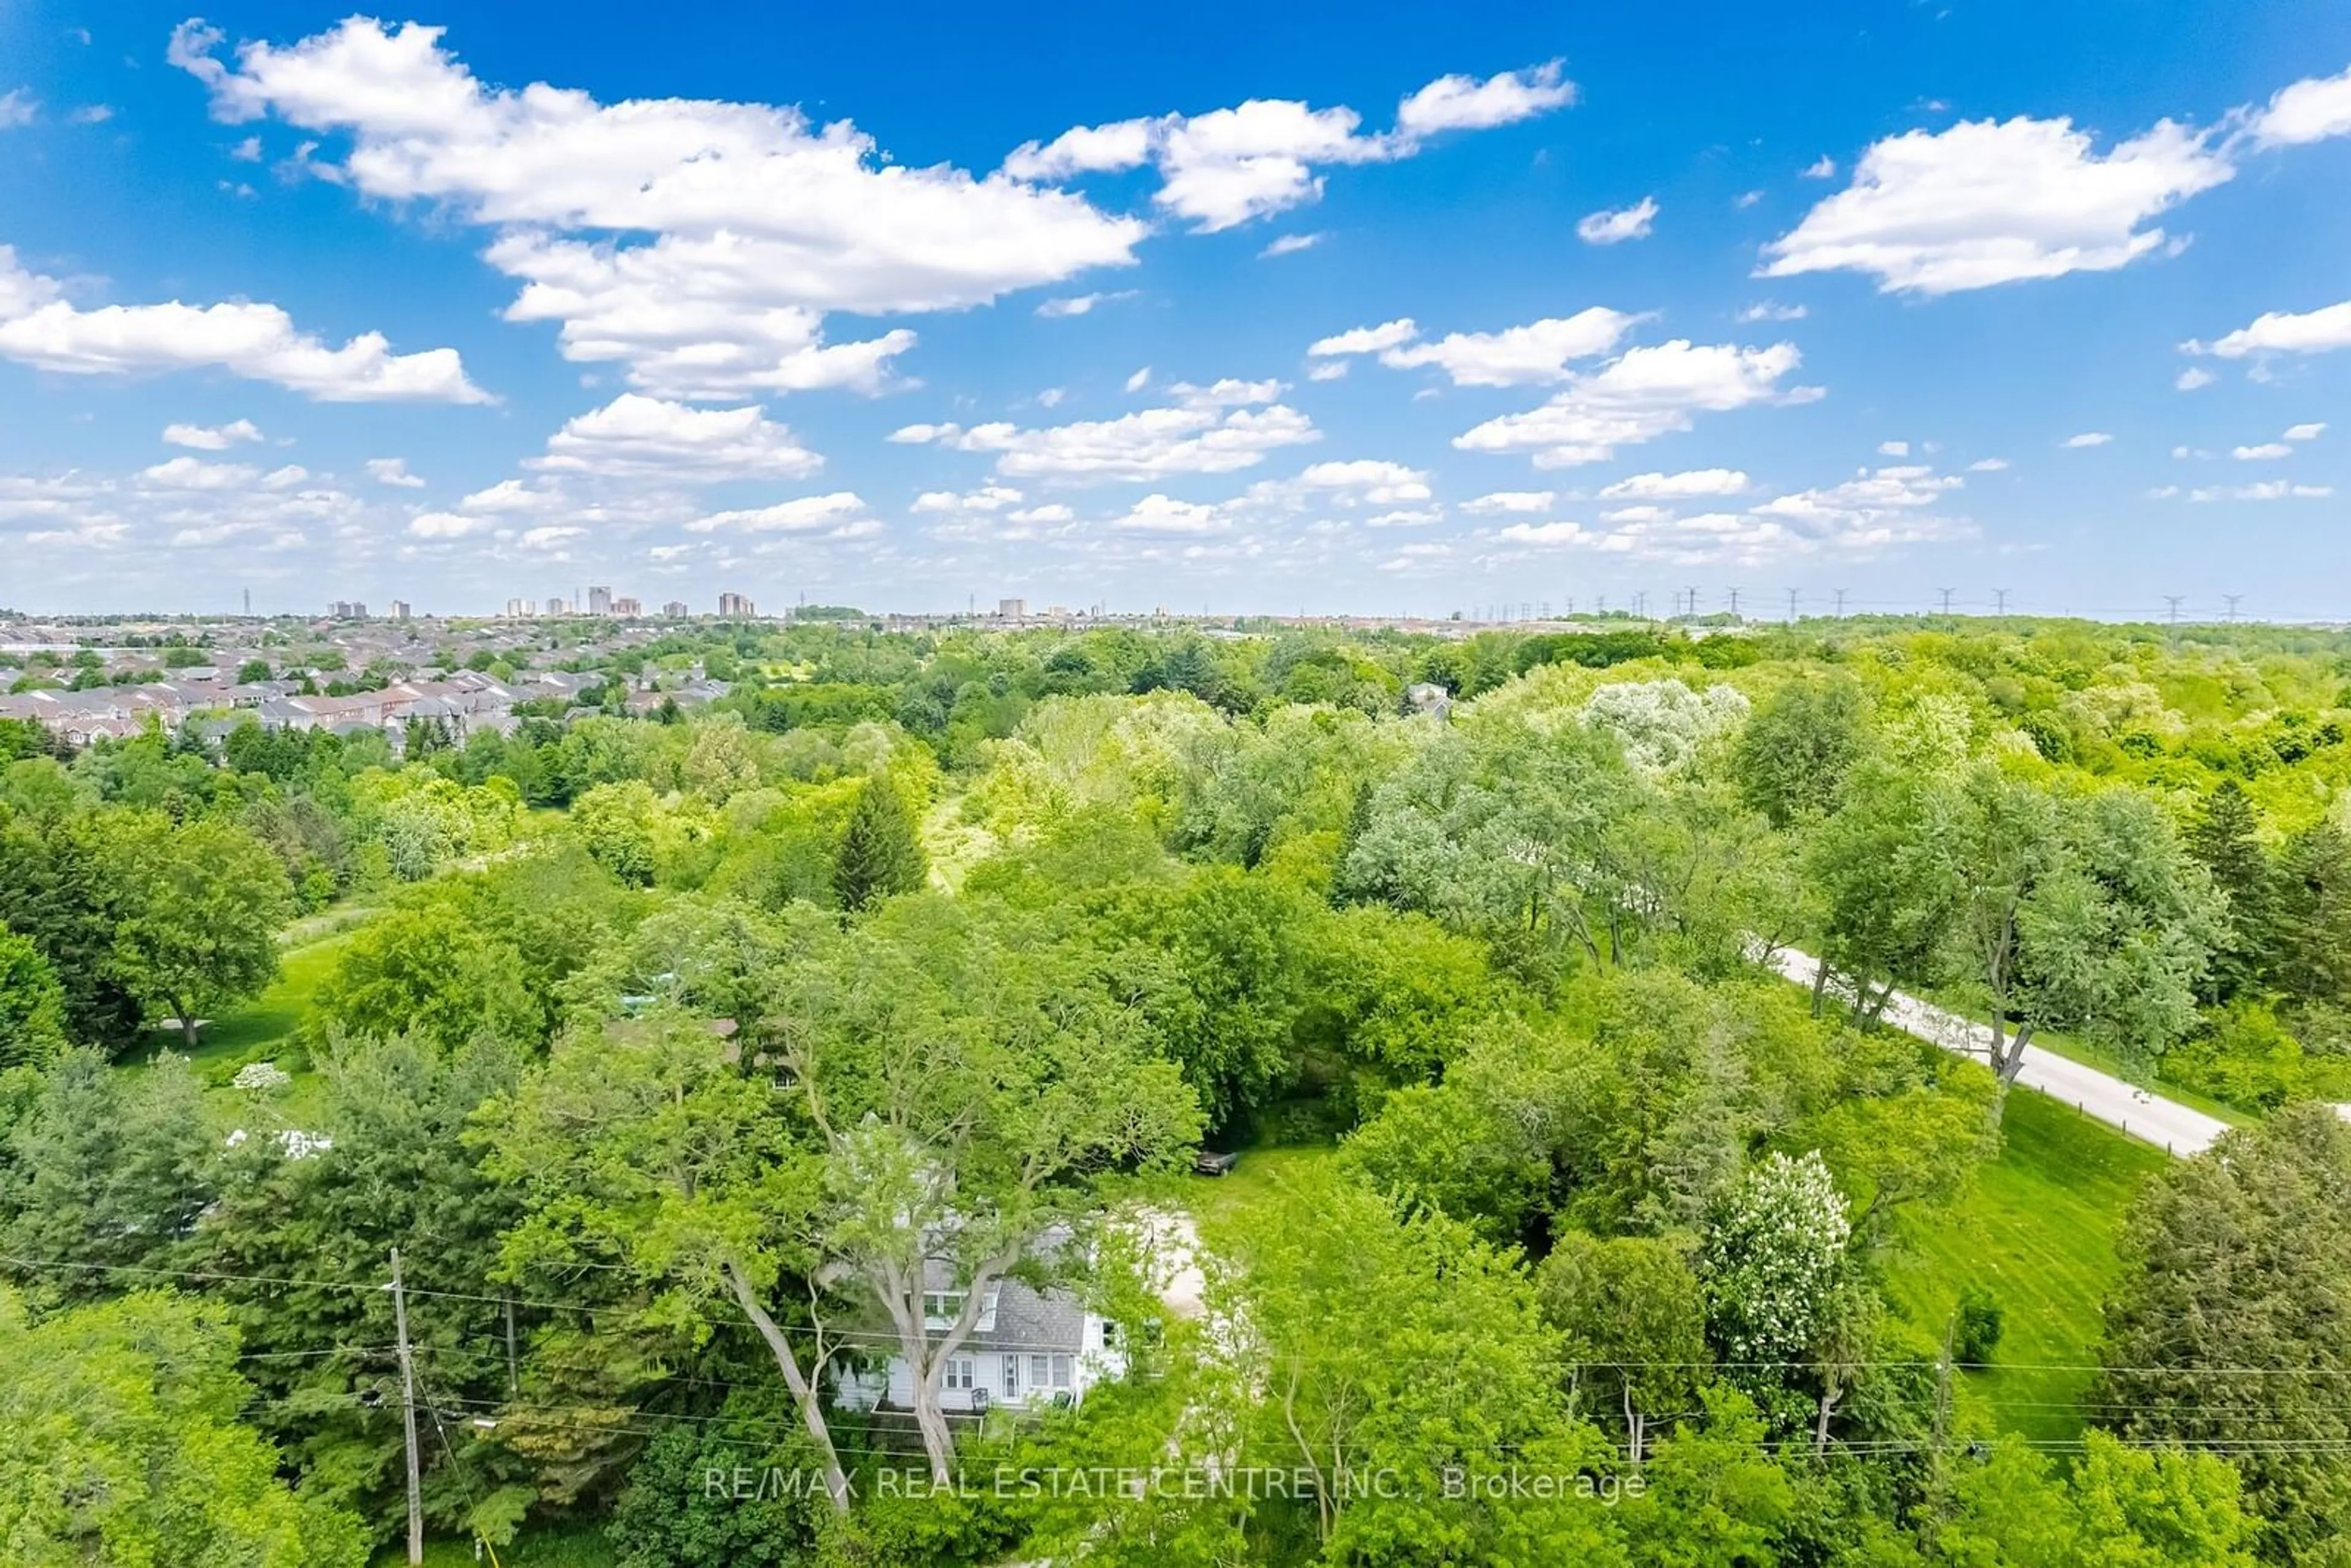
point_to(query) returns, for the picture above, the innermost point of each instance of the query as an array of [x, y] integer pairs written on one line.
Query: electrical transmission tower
[[1946, 601], [2175, 601], [1999, 601], [2233, 598]]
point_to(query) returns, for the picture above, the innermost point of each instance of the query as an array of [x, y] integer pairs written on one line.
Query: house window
[[1012, 1377], [942, 1306], [1040, 1372], [1061, 1372], [963, 1373], [1109, 1335]]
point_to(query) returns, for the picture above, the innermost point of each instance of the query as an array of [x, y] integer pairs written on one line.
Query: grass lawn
[[574, 1546], [1219, 1201], [2038, 1230], [269, 1019]]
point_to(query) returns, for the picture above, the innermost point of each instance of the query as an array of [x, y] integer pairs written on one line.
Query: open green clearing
[[2039, 1230]]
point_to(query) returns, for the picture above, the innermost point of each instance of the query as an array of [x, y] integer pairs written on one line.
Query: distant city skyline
[[1391, 310]]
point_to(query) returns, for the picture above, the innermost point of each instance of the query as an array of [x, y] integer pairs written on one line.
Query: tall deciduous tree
[[2087, 915], [2136, 1508], [880, 855], [643, 1146], [200, 905], [1794, 755], [1634, 1321], [969, 1092], [123, 1447], [1400, 1358], [56, 892]]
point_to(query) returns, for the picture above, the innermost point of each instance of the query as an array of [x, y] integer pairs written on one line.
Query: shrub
[[1976, 1333]]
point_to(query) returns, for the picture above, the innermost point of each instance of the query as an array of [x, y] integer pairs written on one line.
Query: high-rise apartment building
[[677, 610], [627, 609], [600, 601], [737, 604], [400, 610]]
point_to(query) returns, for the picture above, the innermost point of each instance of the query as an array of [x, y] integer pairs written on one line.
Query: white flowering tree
[[1662, 725], [1773, 1257]]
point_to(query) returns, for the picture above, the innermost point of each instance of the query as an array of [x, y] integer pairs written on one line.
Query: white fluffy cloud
[[212, 438], [1991, 202], [1216, 430], [1683, 487], [1223, 168], [393, 471], [699, 243], [1465, 103], [1516, 356], [2306, 431], [2192, 379], [2087, 438], [638, 437], [2308, 110], [2265, 452], [1507, 501], [2267, 490], [1606, 227], [1290, 245], [1079, 304], [1874, 511], [1365, 339], [1772, 311], [41, 328], [194, 473], [2282, 332], [17, 108], [1368, 481], [447, 524], [808, 514], [1643, 393]]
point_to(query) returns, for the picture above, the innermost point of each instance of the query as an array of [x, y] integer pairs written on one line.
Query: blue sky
[[1252, 309]]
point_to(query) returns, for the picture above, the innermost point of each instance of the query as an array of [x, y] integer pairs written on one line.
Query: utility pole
[[1943, 1381], [1792, 607], [1946, 601], [1840, 596], [1734, 604], [1999, 601], [2233, 598], [408, 1415]]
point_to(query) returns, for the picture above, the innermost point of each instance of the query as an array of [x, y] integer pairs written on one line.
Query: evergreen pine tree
[[2224, 838], [2308, 935], [878, 852]]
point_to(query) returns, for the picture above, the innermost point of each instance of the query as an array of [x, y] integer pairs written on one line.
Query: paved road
[[2166, 1123]]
